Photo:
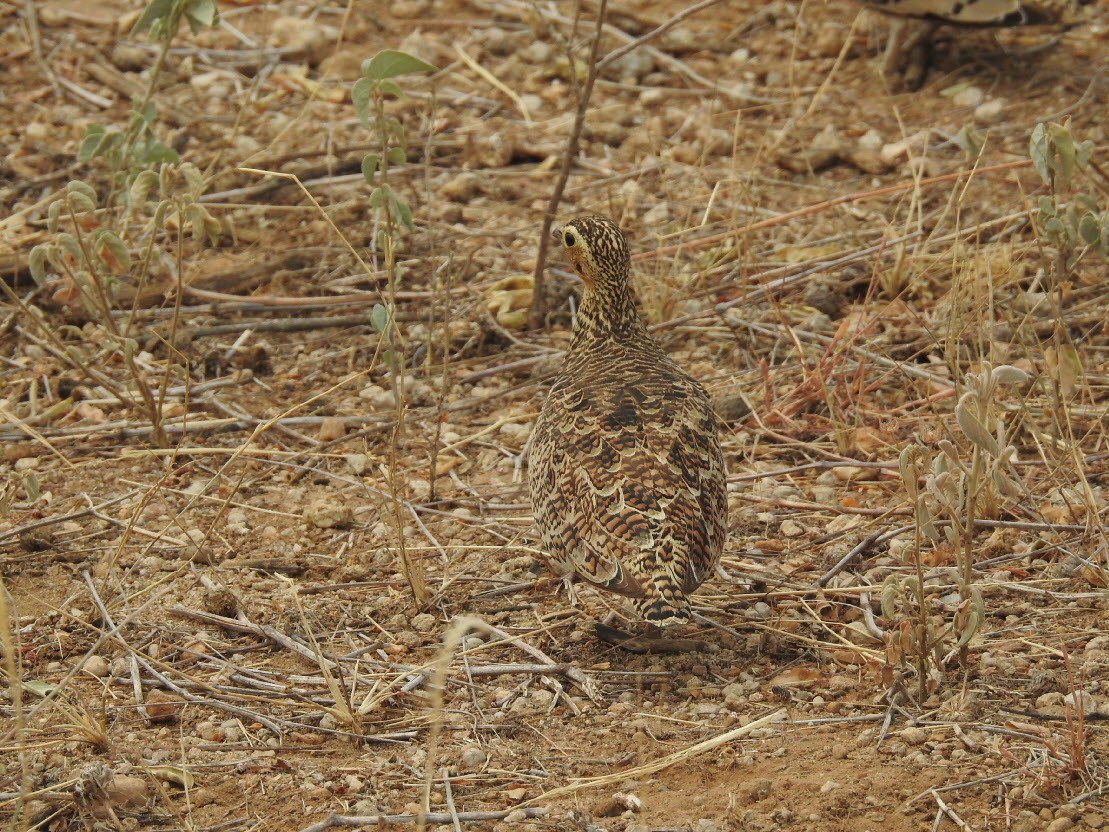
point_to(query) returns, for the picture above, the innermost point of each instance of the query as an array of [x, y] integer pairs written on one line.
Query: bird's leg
[[908, 50], [571, 593]]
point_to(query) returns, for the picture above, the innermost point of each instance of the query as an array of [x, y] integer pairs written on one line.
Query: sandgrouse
[[626, 474], [918, 19]]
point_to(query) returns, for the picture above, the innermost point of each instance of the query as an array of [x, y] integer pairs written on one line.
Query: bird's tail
[[668, 606]]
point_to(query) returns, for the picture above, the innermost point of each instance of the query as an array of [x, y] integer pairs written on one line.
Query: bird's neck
[[607, 312]]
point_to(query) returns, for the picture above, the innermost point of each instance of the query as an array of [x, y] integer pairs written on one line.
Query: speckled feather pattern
[[626, 474], [997, 12]]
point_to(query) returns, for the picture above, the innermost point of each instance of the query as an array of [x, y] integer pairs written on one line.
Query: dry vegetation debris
[[212, 513]]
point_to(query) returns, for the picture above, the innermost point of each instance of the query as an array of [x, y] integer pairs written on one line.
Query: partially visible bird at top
[[916, 20], [625, 472]]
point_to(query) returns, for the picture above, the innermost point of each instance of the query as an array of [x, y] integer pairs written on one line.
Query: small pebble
[[472, 758], [97, 666], [968, 97], [326, 513], [990, 112]]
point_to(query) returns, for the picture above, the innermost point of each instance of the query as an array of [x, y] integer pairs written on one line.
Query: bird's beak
[[556, 233]]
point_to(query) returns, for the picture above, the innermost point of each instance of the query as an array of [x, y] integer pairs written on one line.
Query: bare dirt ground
[[219, 634]]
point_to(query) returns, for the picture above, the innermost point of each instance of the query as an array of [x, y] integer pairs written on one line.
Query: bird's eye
[[569, 240]]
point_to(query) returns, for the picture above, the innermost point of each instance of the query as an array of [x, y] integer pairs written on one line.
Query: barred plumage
[[909, 36], [625, 471], [986, 12]]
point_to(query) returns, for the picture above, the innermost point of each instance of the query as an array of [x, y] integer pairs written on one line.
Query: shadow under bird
[[625, 471]]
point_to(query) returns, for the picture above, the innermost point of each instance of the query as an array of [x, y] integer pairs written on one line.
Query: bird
[[625, 471], [917, 20]]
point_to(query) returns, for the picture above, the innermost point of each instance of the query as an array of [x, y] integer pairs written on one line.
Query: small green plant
[[956, 492], [86, 263], [96, 248], [369, 95], [1076, 225], [137, 146]]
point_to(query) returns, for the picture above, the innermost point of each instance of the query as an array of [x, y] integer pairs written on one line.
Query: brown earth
[[220, 634]]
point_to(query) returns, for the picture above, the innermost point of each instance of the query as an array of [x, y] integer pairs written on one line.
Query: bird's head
[[596, 248]]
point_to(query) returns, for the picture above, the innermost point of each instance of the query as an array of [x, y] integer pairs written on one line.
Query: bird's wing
[[634, 487], [958, 11]]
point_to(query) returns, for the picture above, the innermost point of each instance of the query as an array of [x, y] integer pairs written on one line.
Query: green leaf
[[79, 202], [1083, 153], [360, 95], [1039, 151], [1064, 146], [31, 485], [159, 218], [924, 516], [972, 622], [970, 140], [116, 249], [69, 243], [201, 13], [76, 186], [370, 163], [203, 224], [396, 156], [379, 317], [156, 151], [52, 214], [92, 143], [38, 688], [193, 178], [141, 187], [1008, 374], [36, 262], [390, 63], [889, 597], [157, 9], [910, 471], [394, 129], [377, 197], [401, 211], [1089, 229], [390, 88], [1086, 202]]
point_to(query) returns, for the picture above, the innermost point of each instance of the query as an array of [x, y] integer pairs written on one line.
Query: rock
[[196, 549], [130, 58], [358, 463], [327, 514], [914, 735], [968, 97], [461, 188], [302, 38], [472, 758], [98, 666], [409, 9], [378, 397], [331, 429], [759, 611], [162, 707], [990, 112], [790, 528], [537, 52], [127, 792], [1081, 699]]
